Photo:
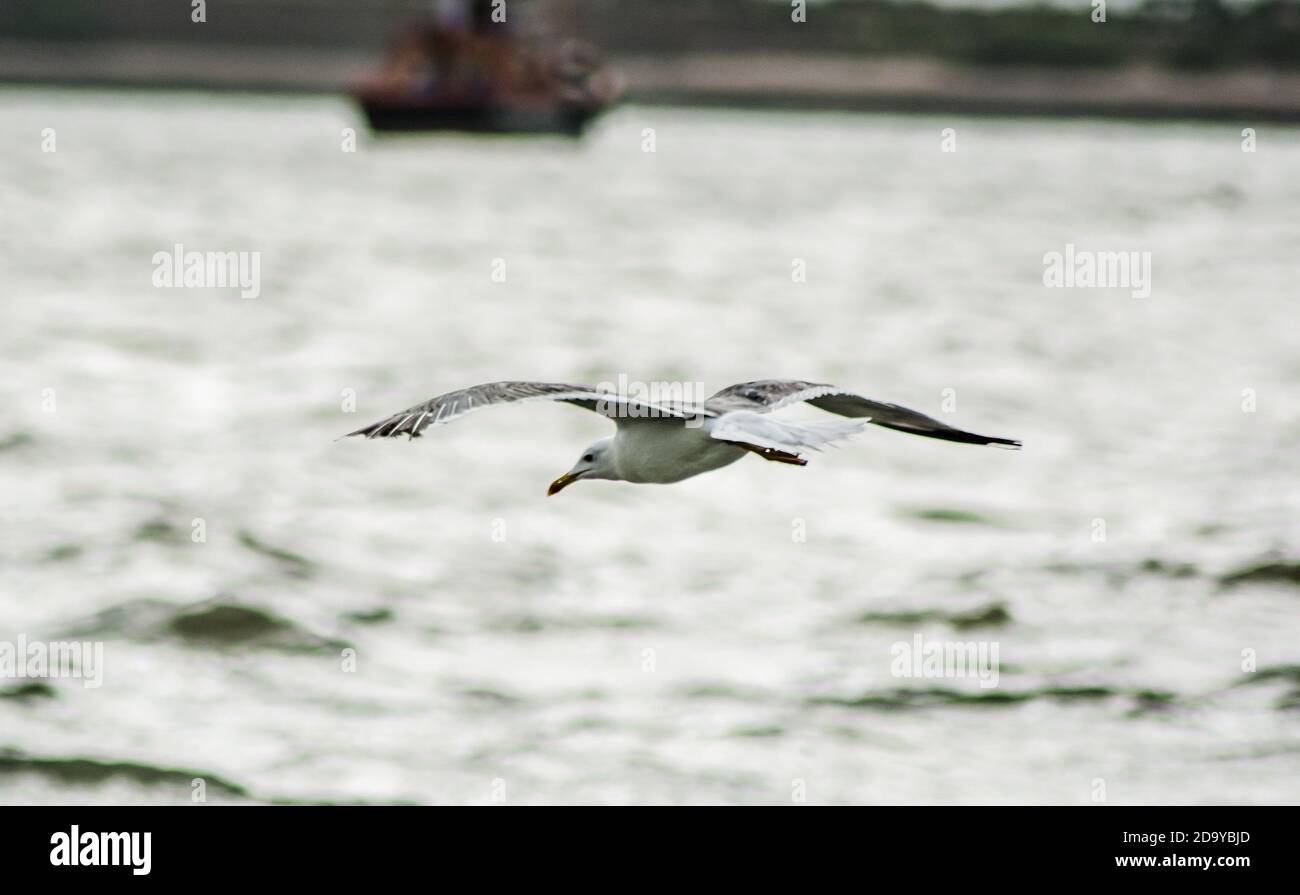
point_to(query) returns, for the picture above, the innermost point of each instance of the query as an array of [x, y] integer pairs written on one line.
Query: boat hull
[[400, 117]]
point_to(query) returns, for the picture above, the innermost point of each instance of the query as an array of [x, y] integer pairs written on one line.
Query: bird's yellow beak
[[562, 482]]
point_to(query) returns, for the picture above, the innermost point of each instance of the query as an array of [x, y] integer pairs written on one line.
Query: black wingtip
[[389, 428], [957, 435], [371, 431]]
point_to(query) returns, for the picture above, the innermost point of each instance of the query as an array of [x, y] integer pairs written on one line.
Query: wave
[[928, 697], [990, 615], [219, 622], [81, 771]]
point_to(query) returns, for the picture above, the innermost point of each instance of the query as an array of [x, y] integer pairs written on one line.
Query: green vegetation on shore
[[1180, 34], [1184, 34]]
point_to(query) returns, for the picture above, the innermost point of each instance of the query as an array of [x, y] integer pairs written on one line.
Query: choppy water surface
[[621, 643]]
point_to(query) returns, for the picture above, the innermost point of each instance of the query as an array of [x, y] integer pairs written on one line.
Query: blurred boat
[[440, 76]]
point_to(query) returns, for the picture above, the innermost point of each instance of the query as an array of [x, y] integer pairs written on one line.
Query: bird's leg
[[772, 454]]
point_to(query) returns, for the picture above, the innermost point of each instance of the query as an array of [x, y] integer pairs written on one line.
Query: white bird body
[[657, 443], [663, 451]]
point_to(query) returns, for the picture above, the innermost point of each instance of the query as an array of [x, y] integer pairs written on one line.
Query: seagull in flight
[[663, 442]]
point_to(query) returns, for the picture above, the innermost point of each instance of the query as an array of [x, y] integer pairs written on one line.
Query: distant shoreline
[[912, 84], [812, 81]]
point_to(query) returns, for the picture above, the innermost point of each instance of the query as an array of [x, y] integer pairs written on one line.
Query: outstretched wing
[[445, 408], [765, 395], [746, 428]]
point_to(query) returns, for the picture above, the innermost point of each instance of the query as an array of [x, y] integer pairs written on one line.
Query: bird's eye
[[587, 458]]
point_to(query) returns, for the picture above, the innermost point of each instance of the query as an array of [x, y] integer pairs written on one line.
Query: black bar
[[332, 844]]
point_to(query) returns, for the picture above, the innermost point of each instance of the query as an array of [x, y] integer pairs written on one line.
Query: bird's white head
[[596, 462]]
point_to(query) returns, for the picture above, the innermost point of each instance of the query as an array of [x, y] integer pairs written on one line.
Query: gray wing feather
[[766, 395], [445, 408]]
